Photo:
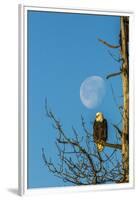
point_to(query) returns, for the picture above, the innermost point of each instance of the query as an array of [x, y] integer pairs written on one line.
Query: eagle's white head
[[99, 117]]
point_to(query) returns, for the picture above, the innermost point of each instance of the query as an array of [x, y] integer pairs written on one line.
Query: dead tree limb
[[113, 74], [115, 146], [109, 45], [124, 51], [125, 81]]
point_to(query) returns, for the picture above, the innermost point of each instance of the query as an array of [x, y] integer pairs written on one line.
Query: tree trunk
[[124, 40]]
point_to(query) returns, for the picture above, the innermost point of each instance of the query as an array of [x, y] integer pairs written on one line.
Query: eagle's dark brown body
[[100, 131]]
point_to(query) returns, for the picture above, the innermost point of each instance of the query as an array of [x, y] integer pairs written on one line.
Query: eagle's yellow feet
[[100, 147]]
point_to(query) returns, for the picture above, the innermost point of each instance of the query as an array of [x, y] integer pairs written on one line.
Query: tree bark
[[124, 40]]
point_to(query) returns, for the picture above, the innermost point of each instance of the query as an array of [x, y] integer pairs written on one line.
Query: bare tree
[[79, 160], [124, 72]]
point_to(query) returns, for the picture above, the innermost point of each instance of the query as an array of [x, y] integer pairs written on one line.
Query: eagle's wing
[[105, 132], [95, 131]]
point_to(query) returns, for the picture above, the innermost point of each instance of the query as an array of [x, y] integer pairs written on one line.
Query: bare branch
[[107, 44], [116, 146], [114, 57], [118, 130], [113, 74]]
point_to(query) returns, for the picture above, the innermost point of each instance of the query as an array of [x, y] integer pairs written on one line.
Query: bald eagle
[[100, 131]]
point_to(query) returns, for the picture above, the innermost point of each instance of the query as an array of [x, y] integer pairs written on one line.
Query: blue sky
[[63, 51]]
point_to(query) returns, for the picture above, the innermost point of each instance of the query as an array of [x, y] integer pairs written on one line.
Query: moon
[[92, 91]]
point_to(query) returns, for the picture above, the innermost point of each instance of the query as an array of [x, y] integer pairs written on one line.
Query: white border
[[22, 185]]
